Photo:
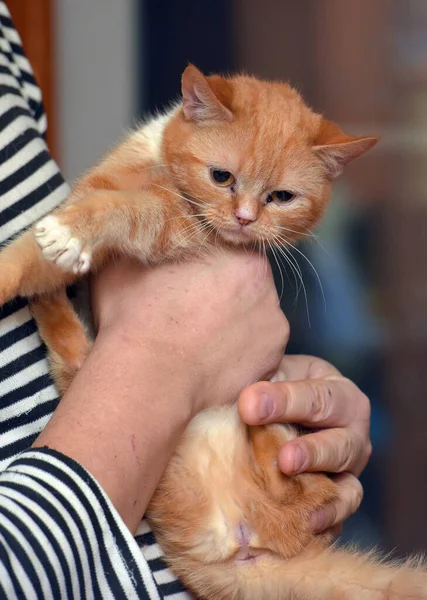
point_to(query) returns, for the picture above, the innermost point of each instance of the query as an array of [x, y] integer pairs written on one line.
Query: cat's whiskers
[[298, 279], [259, 254], [288, 243], [211, 228], [280, 245], [282, 254], [273, 245], [189, 231], [189, 226], [191, 201], [192, 232], [308, 233], [177, 237], [291, 260], [191, 216], [216, 236], [319, 241], [265, 258], [280, 270], [289, 230], [283, 243], [180, 196]]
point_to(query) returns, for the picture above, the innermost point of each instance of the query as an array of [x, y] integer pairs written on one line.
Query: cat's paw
[[59, 246]]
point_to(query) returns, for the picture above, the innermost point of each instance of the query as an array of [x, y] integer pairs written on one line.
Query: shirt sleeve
[[60, 536]]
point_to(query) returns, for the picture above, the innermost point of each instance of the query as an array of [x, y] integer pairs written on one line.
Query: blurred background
[[103, 64]]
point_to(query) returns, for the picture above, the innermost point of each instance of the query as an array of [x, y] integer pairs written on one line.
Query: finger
[[329, 450], [350, 493], [311, 402], [301, 366]]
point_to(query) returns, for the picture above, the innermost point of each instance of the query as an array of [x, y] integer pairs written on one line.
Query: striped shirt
[[60, 536]]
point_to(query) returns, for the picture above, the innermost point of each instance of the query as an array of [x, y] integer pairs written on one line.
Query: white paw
[[58, 246]]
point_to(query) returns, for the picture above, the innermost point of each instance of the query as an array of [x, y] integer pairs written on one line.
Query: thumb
[[311, 402]]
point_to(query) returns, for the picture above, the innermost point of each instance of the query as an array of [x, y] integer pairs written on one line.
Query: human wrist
[[121, 419], [171, 361]]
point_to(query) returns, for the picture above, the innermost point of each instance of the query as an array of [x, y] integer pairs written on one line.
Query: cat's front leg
[[60, 245], [78, 236]]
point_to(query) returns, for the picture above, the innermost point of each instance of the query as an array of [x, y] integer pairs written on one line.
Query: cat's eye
[[222, 178], [282, 196]]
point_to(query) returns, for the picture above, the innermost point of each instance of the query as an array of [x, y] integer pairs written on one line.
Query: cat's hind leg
[[24, 271], [64, 335]]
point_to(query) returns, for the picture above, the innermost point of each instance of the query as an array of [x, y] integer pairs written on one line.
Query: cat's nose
[[243, 221], [243, 217]]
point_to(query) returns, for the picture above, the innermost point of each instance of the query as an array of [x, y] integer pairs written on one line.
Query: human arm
[[317, 396], [186, 346], [60, 534]]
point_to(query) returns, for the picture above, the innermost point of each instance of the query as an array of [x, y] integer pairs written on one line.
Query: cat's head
[[258, 162]]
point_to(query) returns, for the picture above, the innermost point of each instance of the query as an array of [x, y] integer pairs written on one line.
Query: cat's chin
[[236, 235]]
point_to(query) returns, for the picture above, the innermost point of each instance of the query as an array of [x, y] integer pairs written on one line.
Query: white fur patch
[[58, 246], [150, 135]]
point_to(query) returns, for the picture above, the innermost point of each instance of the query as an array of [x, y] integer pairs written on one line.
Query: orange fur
[[142, 198], [152, 197], [64, 335], [24, 272], [222, 498], [233, 527]]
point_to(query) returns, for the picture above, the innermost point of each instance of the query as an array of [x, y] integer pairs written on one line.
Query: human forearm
[[172, 341], [59, 537], [121, 420]]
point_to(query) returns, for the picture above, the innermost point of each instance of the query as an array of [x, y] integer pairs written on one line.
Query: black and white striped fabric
[[60, 536]]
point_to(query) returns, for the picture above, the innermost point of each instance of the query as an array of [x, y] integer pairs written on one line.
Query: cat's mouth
[[236, 233]]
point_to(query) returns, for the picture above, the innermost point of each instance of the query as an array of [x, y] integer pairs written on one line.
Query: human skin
[[141, 338], [171, 341], [317, 396]]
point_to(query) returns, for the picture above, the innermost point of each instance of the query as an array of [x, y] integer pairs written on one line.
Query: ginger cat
[[245, 162], [239, 161]]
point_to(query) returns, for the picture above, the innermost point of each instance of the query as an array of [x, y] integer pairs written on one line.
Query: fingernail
[[318, 521], [299, 459], [265, 407]]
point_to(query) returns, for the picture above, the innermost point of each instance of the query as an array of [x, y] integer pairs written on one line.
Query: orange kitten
[[240, 161]]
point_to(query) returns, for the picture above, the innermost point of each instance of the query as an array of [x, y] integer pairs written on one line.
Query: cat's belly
[[223, 508], [216, 465]]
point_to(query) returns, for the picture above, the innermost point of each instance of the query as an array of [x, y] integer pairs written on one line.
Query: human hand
[[171, 341], [317, 396], [198, 320]]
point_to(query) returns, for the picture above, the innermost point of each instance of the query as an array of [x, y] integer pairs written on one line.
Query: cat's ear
[[204, 98], [336, 149]]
